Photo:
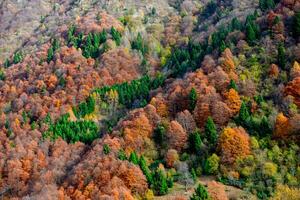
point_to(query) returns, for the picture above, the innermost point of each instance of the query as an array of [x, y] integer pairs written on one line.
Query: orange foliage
[[161, 107], [216, 191], [295, 71], [293, 89], [233, 144], [274, 71], [233, 100], [177, 137], [171, 157]]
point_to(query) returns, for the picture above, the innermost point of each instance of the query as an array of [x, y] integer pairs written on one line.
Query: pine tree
[[232, 85], [6, 63], [146, 170], [281, 58], [106, 149], [193, 99], [17, 58], [50, 54], [211, 131], [116, 35], [134, 158], [195, 142], [122, 155], [236, 24], [244, 114], [200, 193], [250, 34], [296, 24], [160, 185]]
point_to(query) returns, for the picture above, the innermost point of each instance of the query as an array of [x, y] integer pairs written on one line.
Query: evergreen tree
[[193, 99], [265, 5], [116, 35], [6, 63], [244, 114], [200, 193], [122, 155], [134, 158], [250, 34], [146, 170], [50, 54], [296, 24], [160, 185], [17, 58], [211, 131], [106, 149], [281, 57], [236, 24], [232, 85], [159, 134], [195, 142]]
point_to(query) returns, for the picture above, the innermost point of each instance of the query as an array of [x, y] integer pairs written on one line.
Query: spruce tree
[[160, 185], [232, 85], [106, 149], [134, 158], [244, 114], [250, 34], [296, 24], [195, 142], [200, 193], [211, 131], [50, 54], [193, 99], [146, 170], [281, 57]]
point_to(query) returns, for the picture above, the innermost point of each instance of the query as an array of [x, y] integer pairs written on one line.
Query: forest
[[172, 99]]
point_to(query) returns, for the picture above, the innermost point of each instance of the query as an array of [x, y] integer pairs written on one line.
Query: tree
[[106, 149], [134, 158], [211, 133], [233, 143], [193, 99], [232, 85], [281, 57], [211, 165], [200, 193], [17, 57], [250, 34], [122, 155], [160, 185], [195, 142], [244, 114], [145, 170], [265, 5], [296, 24], [116, 35], [160, 134]]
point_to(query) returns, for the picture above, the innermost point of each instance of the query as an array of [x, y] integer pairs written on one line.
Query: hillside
[[158, 99]]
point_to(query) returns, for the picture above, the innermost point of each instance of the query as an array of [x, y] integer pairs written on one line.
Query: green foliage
[[135, 93], [51, 51], [236, 24], [122, 155], [211, 133], [193, 99], [210, 9], [140, 45], [106, 149], [17, 58], [200, 193], [6, 63], [146, 170], [296, 24], [2, 75], [134, 158], [85, 108], [244, 113], [195, 142], [73, 38], [160, 185], [252, 29], [211, 165], [116, 35], [232, 85], [73, 131], [265, 5], [281, 56], [160, 134]]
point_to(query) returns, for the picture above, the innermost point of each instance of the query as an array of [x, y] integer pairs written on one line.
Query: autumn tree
[[177, 137], [200, 193], [233, 100], [233, 143], [171, 157]]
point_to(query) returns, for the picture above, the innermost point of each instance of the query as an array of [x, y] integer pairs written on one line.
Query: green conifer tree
[[281, 57], [193, 99], [134, 158], [244, 114], [200, 193], [160, 185], [232, 85], [146, 170], [296, 24], [211, 133]]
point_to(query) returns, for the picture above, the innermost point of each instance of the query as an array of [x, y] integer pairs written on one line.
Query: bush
[[211, 165], [200, 193]]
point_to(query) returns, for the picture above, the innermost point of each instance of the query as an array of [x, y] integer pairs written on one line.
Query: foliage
[[232, 85], [53, 48], [211, 165], [211, 133], [296, 24], [146, 171], [116, 35], [85, 108], [73, 131], [106, 149], [195, 142], [140, 45], [134, 158], [17, 58], [200, 193], [265, 5], [281, 57], [160, 185], [210, 9], [193, 99]]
